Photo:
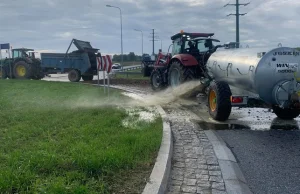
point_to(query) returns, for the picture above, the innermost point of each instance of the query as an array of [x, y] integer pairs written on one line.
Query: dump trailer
[[78, 64], [269, 76]]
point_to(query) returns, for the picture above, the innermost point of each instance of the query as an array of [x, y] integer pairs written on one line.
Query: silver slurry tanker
[[268, 73]]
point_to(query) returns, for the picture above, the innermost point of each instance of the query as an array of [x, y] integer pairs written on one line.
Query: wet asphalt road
[[270, 160], [266, 148]]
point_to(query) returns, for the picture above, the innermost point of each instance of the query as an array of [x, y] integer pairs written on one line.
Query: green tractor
[[22, 65]]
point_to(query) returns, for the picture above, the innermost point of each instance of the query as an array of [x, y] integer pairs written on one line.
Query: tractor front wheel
[[22, 70], [87, 77], [156, 80], [286, 113], [74, 75], [219, 100]]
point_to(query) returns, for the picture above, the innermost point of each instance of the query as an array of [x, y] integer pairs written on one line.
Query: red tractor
[[187, 61]]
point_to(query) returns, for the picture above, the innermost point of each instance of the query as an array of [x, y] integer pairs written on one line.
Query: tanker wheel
[[285, 113], [87, 77], [74, 75], [3, 74], [22, 70], [177, 74], [219, 102], [156, 80]]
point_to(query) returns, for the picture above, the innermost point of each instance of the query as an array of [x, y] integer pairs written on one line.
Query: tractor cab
[[199, 45], [23, 53]]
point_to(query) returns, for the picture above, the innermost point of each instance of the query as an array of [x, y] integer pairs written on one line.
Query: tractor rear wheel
[[87, 77], [219, 100], [286, 114], [74, 75], [177, 74], [156, 80], [22, 70]]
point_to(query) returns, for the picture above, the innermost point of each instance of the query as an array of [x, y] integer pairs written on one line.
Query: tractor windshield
[[202, 45]]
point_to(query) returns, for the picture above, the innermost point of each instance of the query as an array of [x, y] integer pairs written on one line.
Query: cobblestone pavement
[[195, 168]]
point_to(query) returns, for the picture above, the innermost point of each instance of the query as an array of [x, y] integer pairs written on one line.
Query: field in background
[[64, 138]]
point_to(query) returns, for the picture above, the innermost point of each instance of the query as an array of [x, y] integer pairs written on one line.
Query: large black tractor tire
[[178, 74], [87, 77], [286, 114], [22, 70], [219, 103], [3, 73], [156, 80], [74, 75]]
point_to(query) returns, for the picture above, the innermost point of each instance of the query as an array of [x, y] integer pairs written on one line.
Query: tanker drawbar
[[269, 74]]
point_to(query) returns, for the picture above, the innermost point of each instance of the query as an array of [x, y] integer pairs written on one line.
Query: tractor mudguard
[[186, 59]]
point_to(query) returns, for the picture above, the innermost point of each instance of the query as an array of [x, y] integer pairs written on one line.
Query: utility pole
[[237, 14], [153, 40]]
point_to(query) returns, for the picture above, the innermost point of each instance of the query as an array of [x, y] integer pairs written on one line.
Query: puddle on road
[[276, 124], [220, 126]]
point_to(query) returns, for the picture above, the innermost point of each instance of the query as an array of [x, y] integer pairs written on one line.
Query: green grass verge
[[132, 76], [57, 138]]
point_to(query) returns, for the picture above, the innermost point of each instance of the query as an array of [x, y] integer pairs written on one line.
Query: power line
[[237, 14]]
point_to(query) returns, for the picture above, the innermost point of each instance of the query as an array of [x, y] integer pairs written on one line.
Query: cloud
[[51, 24]]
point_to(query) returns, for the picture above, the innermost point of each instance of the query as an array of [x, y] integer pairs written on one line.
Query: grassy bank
[[68, 138]]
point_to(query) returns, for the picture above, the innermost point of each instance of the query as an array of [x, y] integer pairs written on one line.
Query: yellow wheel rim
[[21, 71], [212, 100]]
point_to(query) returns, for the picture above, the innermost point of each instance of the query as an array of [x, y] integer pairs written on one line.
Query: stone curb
[[235, 182], [159, 177], [161, 171]]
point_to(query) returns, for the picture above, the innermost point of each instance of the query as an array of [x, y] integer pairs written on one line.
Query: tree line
[[127, 57]]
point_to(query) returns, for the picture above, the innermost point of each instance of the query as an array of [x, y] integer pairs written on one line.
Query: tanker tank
[[266, 72]]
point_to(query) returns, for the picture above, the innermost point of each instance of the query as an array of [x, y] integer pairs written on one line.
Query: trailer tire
[[156, 80], [286, 114], [74, 75], [181, 76], [22, 70], [87, 77], [219, 103]]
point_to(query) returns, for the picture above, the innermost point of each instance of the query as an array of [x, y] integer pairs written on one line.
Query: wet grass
[[52, 144]]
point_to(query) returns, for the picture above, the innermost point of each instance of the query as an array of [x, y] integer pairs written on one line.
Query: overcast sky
[[50, 25]]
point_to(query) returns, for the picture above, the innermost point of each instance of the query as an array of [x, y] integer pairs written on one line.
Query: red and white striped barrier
[[104, 63]]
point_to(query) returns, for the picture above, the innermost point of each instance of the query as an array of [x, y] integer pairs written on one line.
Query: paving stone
[[214, 191], [189, 189], [212, 161], [190, 182], [202, 166], [202, 177], [214, 168], [179, 164], [205, 185], [215, 173], [176, 182], [174, 189], [203, 191], [218, 186], [201, 172], [218, 179]]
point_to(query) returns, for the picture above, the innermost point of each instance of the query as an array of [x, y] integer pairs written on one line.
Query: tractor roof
[[191, 35]]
